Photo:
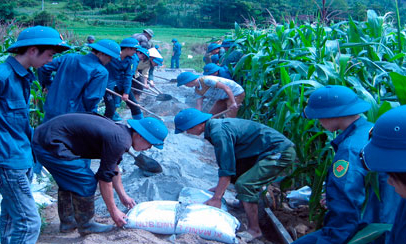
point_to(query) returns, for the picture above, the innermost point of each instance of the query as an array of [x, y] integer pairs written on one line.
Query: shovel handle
[[142, 91], [133, 103], [142, 84]]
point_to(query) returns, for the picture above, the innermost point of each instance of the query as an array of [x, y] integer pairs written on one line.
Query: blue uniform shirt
[[177, 49], [15, 132], [398, 233], [79, 84], [225, 73], [121, 73], [345, 191]]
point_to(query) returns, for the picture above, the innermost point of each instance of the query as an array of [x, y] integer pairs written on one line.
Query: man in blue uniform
[[121, 72], [214, 69], [60, 145], [338, 108], [80, 80], [386, 152], [177, 50], [212, 49], [249, 154], [144, 38], [35, 46]]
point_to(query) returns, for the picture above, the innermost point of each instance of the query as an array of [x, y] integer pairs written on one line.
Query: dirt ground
[[295, 221]]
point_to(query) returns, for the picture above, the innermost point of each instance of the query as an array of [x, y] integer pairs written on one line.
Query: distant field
[[192, 40]]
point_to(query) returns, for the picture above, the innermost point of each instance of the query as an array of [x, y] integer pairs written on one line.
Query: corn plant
[[282, 65]]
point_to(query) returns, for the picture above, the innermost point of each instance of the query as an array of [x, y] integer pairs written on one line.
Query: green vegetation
[[285, 63]]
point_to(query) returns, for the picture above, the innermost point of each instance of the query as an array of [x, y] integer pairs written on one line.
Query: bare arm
[[106, 189], [199, 103], [229, 93], [221, 188], [118, 186]]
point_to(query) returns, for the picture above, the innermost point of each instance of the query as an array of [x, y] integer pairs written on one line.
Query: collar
[[18, 68], [347, 132]]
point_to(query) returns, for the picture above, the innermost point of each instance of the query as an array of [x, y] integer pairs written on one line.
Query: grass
[[193, 40]]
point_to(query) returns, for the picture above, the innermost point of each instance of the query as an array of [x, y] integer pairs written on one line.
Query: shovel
[[159, 97], [153, 89], [135, 104], [223, 112], [146, 163]]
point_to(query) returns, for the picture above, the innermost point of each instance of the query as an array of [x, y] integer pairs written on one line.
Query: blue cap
[[39, 36], [129, 42], [386, 151], [174, 40], [185, 78], [158, 61], [227, 43], [189, 118], [108, 47], [215, 58], [210, 68], [212, 46], [334, 101], [151, 129], [144, 51]]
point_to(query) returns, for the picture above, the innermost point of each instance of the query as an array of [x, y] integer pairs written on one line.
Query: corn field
[[282, 65]]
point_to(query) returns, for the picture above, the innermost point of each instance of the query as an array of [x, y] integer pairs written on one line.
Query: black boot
[[84, 212], [65, 212]]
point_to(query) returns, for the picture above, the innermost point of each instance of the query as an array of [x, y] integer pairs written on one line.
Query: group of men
[[249, 154]]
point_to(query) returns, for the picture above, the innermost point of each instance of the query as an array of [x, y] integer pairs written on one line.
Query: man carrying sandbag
[[249, 154], [65, 145]]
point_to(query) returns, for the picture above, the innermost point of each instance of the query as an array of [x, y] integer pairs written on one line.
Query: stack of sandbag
[[172, 217]]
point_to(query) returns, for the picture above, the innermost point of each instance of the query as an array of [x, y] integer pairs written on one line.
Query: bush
[[43, 18], [6, 12]]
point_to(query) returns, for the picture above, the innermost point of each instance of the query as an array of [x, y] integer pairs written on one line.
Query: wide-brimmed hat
[[212, 46], [108, 47], [210, 68], [215, 58], [39, 36], [153, 52], [185, 78], [227, 43], [149, 32], [143, 51], [189, 118], [129, 42], [386, 151], [334, 101], [151, 129]]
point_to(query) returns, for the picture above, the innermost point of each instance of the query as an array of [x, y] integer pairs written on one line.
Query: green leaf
[[399, 82], [370, 233]]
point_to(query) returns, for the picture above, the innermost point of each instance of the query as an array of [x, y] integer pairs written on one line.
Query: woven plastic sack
[[154, 216], [190, 195], [208, 222]]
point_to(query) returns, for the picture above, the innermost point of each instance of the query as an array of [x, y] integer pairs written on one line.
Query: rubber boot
[[65, 212], [84, 213], [138, 116]]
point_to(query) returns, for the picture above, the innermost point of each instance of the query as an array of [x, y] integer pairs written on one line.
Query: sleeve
[[151, 73], [95, 90], [45, 72], [345, 196], [145, 72], [111, 156], [209, 82], [128, 77], [223, 142]]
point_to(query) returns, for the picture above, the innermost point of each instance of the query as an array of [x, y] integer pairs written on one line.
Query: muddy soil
[[186, 161]]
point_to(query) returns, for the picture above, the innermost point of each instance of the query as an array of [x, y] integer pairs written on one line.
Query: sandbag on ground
[[171, 217]]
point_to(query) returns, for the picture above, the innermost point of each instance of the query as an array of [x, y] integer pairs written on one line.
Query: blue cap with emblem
[[334, 101], [386, 151], [108, 47], [151, 129]]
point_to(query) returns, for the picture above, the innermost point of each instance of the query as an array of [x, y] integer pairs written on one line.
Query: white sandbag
[[208, 222], [154, 216], [190, 195]]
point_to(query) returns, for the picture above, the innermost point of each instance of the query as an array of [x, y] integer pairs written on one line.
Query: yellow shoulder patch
[[340, 168]]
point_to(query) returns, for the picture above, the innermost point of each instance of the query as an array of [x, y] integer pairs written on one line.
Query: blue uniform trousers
[[75, 176], [175, 61]]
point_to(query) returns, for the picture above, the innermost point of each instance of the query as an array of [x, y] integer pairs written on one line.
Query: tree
[[6, 11]]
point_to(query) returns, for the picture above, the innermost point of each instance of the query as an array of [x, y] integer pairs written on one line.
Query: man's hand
[[125, 97], [233, 106], [127, 201], [213, 202], [118, 217], [151, 83]]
